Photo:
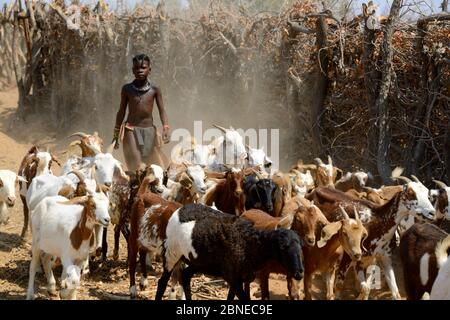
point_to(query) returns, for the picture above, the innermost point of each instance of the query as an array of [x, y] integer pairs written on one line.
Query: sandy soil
[[110, 278]]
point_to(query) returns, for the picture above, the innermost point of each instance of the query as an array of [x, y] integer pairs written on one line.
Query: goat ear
[[364, 9], [328, 232], [122, 173], [102, 188], [22, 179], [286, 222], [66, 191]]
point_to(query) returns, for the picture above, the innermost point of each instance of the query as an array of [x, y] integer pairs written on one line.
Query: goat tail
[[441, 251], [397, 172]]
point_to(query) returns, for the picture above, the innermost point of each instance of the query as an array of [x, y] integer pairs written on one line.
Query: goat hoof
[[98, 252], [51, 290], [85, 275], [133, 292], [143, 284], [68, 294], [396, 296], [116, 255]]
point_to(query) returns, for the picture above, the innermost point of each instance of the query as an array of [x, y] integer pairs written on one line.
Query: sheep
[[8, 181], [304, 220], [220, 244], [63, 228], [441, 286]]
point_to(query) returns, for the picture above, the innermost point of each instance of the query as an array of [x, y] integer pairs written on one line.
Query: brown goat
[[418, 255], [344, 235], [149, 217], [228, 194], [33, 163], [90, 145]]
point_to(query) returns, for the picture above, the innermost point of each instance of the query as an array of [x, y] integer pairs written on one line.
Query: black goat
[[259, 193]]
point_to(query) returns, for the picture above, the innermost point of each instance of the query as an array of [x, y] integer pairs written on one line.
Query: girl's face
[[141, 70]]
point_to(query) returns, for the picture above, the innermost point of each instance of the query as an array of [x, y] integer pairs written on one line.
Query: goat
[[259, 193], [90, 145], [441, 286], [228, 194], [34, 163], [325, 174], [441, 201], [64, 228], [149, 217], [346, 235], [418, 246], [381, 221], [353, 180], [8, 182]]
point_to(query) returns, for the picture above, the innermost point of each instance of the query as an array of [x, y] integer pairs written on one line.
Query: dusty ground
[[108, 279]]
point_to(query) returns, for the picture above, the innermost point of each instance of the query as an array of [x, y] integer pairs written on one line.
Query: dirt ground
[[110, 279]]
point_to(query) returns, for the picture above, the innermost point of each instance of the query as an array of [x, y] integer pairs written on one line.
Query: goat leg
[[162, 284], [25, 217], [390, 277], [176, 281], [33, 265], [264, 284], [293, 288], [238, 288], [51, 282], [116, 242], [142, 260], [132, 254], [104, 244], [186, 276]]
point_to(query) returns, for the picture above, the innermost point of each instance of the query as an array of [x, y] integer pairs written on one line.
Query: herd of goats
[[238, 222]]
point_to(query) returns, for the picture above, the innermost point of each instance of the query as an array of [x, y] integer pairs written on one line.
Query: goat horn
[[220, 128], [346, 217], [440, 184], [79, 175], [81, 134], [76, 200], [356, 214], [415, 178], [318, 161], [329, 160], [75, 143], [408, 180], [56, 160]]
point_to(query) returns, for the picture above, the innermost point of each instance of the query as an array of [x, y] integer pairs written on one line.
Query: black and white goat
[[219, 244]]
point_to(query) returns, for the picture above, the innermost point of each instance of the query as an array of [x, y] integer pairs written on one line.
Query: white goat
[[63, 228], [8, 181]]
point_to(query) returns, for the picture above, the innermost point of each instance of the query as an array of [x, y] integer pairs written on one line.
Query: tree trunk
[[381, 104], [321, 85], [447, 153]]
